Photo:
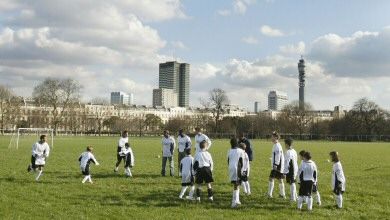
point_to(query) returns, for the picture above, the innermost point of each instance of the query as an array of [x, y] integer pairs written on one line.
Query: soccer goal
[[30, 135]]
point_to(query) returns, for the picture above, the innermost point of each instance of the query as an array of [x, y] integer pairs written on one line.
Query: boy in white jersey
[[168, 146], [245, 170], [235, 163], [183, 142], [307, 176], [277, 160], [316, 195], [40, 151], [199, 137], [129, 160], [203, 166], [85, 159], [187, 171], [291, 168], [121, 151], [338, 179]]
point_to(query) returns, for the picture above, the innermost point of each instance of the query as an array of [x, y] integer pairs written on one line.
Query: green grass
[[60, 194]]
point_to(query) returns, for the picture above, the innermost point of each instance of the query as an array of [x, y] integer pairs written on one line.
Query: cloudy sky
[[246, 47]]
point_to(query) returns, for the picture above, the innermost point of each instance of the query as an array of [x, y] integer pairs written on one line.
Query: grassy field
[[60, 194]]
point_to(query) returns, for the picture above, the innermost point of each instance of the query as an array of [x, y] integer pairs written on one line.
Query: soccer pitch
[[60, 194]]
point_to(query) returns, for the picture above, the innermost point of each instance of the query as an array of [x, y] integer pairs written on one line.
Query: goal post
[[34, 131]]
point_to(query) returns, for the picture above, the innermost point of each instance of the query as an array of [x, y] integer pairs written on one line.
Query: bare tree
[[9, 107], [59, 94], [297, 117], [217, 100]]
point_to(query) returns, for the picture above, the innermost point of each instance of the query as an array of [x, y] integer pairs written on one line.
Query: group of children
[[286, 167], [199, 169]]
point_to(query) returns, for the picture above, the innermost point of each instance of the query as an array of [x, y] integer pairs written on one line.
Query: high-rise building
[[176, 76], [301, 70], [164, 97], [121, 98], [277, 100], [257, 107]]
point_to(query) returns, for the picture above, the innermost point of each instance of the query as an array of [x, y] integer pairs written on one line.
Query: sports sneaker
[[282, 196], [234, 205], [29, 168], [190, 198], [211, 199], [319, 203], [116, 169], [198, 199]]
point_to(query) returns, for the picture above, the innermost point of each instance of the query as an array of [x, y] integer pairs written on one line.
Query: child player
[[307, 176], [245, 170], [40, 151], [277, 159], [316, 195], [129, 159], [235, 163], [338, 179], [85, 159], [203, 166], [187, 175], [291, 168]]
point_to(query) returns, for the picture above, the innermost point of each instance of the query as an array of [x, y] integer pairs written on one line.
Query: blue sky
[[246, 47]]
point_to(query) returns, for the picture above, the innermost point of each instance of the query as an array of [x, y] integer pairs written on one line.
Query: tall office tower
[[131, 99], [164, 97], [176, 76], [301, 69], [184, 85], [257, 107], [120, 98], [276, 100]]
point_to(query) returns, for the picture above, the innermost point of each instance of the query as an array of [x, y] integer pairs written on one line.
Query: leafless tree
[[9, 108], [217, 100], [59, 94], [296, 117]]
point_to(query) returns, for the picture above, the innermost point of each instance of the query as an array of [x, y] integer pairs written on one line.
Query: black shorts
[[128, 160], [305, 189], [276, 174], [337, 189], [290, 178], [86, 170], [120, 158], [33, 162], [244, 176], [204, 175]]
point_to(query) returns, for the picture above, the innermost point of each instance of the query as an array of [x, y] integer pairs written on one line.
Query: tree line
[[62, 97]]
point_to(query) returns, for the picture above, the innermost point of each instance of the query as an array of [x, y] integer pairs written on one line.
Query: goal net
[[28, 136]]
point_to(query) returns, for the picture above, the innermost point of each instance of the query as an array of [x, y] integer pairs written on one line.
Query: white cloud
[[298, 48], [203, 71], [271, 32], [238, 7], [363, 54], [250, 40], [179, 45]]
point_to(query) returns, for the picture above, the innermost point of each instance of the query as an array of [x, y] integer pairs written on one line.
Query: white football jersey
[[199, 138], [183, 142], [308, 171], [204, 159], [291, 162], [277, 157], [186, 168], [122, 141], [246, 164], [168, 146], [41, 150], [85, 158], [338, 175], [234, 156]]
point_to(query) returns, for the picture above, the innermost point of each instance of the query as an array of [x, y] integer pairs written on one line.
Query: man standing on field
[[40, 151], [168, 146], [199, 137]]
